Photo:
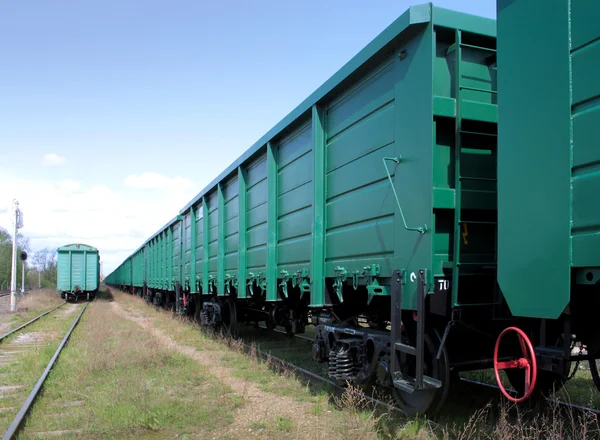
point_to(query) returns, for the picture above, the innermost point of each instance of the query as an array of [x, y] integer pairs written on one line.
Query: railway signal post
[[23, 258], [18, 222]]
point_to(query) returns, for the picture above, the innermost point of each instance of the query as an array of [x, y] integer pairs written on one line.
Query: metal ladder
[[399, 350], [459, 177]]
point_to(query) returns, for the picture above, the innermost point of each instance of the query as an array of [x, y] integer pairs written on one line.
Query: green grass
[[115, 381]]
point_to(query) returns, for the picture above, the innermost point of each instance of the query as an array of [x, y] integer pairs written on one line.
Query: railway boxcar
[[371, 211], [78, 271]]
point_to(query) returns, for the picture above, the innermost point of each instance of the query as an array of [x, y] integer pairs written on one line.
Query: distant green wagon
[[78, 271]]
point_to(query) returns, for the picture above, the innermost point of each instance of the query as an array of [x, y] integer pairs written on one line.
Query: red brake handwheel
[[528, 363]]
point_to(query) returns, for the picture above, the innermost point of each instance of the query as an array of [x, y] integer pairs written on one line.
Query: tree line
[[43, 261]]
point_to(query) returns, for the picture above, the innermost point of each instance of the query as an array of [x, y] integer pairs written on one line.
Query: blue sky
[[95, 95]]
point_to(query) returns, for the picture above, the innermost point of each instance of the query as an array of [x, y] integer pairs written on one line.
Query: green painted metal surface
[[206, 235], [272, 223], [317, 204], [317, 274], [412, 131], [549, 114], [585, 113], [221, 242], [242, 260], [193, 248], [77, 265]]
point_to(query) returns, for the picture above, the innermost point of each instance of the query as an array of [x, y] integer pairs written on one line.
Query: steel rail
[[462, 379], [18, 421], [30, 322], [283, 364], [548, 399], [287, 364]]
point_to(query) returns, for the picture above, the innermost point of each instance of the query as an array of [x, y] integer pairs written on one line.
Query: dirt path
[[260, 406]]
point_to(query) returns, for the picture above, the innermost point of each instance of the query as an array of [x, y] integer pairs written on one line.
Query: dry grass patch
[[508, 422], [28, 307], [278, 405], [40, 300], [116, 381]]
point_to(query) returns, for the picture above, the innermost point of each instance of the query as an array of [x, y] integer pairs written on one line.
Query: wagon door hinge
[[228, 284], [212, 281], [338, 285], [250, 277], [285, 276], [370, 273], [300, 280], [262, 281], [198, 284], [186, 283], [355, 276]]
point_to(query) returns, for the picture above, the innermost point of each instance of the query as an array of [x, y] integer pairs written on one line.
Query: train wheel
[[368, 387], [527, 363], [197, 308], [428, 402], [229, 328]]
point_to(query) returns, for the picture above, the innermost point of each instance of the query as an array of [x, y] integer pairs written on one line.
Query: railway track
[[281, 363], [8, 355], [6, 335]]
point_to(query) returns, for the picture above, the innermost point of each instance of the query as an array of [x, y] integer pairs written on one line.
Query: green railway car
[[377, 209], [78, 271]]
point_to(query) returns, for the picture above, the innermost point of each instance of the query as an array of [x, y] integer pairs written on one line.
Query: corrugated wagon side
[[376, 194]]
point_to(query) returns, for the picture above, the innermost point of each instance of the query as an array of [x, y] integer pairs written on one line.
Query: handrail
[[420, 229]]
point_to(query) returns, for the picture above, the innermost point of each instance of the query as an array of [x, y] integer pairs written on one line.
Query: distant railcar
[[78, 271]]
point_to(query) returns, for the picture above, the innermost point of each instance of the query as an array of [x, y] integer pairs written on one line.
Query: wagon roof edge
[[77, 247]]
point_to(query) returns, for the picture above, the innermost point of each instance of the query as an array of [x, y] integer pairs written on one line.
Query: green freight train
[[426, 209], [78, 271]]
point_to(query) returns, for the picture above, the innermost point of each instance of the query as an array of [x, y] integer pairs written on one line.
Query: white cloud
[[66, 211], [149, 180], [52, 159]]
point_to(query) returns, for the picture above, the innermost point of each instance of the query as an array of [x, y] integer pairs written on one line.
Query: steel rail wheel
[[197, 302], [229, 327], [428, 401], [528, 363]]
